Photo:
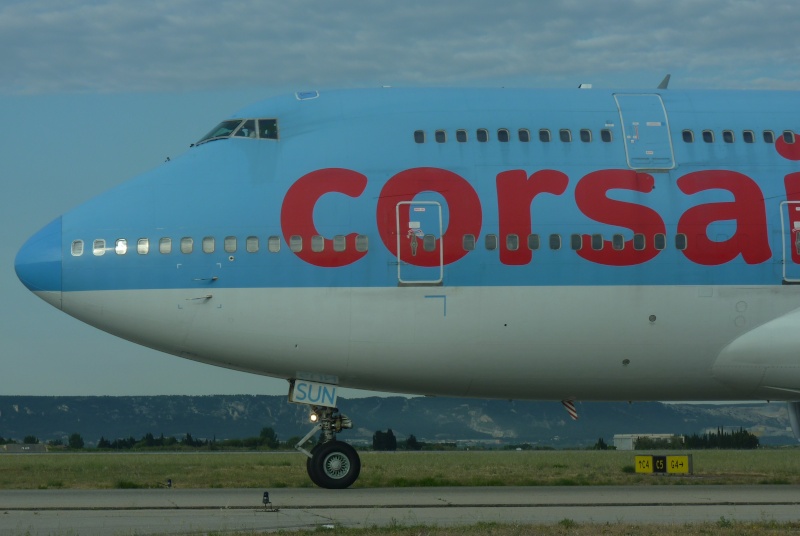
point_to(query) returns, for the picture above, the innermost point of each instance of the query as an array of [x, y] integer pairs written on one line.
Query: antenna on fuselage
[[664, 83]]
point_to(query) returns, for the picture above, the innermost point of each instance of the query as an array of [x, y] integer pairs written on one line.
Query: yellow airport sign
[[665, 464]]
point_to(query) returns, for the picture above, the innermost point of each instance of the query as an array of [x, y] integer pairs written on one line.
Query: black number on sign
[[659, 464]]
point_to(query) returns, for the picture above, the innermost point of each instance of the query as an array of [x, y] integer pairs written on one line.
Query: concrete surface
[[171, 511]]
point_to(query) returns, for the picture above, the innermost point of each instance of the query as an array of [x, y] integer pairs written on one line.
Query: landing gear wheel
[[334, 465], [312, 472]]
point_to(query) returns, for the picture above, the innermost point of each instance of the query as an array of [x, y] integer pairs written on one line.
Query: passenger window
[[143, 246], [688, 136], [429, 242], [512, 242], [788, 136], [769, 136], [268, 129], [503, 135], [274, 244], [461, 135], [749, 136], [296, 243], [490, 242], [468, 242], [660, 241], [639, 242], [524, 135], [727, 136], [680, 241], [533, 242], [251, 244], [555, 241], [187, 244], [121, 246], [544, 135], [99, 247], [165, 246], [247, 130], [440, 136], [708, 136], [618, 242], [576, 242], [606, 135], [483, 135], [230, 244], [339, 243], [419, 136], [586, 135], [208, 244], [362, 243], [597, 241], [565, 135], [77, 248], [317, 243]]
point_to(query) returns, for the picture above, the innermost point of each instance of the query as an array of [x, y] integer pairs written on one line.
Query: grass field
[[563, 528], [477, 468], [383, 469]]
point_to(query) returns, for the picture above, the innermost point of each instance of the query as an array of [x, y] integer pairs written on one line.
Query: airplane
[[567, 245]]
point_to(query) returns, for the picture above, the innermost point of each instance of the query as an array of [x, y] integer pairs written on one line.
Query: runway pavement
[[172, 511]]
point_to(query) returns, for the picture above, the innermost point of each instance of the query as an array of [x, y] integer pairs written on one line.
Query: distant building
[[627, 441], [16, 448]]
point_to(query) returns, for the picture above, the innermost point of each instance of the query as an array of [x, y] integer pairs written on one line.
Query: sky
[[96, 92]]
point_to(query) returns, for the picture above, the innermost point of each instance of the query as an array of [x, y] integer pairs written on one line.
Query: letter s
[[590, 195]]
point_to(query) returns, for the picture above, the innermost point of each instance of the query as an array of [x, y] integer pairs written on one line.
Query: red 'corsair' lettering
[[590, 195]]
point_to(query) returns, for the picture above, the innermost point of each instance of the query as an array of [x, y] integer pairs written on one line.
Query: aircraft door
[[790, 233], [645, 130], [420, 251]]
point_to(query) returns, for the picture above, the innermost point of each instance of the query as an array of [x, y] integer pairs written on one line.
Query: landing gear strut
[[331, 463]]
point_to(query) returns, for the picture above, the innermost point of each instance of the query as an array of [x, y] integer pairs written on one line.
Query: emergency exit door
[[420, 251], [645, 129], [790, 233]]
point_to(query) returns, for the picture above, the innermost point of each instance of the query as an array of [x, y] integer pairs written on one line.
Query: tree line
[[267, 438], [739, 439], [386, 441], [74, 441]]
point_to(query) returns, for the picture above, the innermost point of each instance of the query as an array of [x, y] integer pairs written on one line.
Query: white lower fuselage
[[586, 343]]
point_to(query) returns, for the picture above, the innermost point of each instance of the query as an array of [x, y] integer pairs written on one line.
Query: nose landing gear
[[331, 463]]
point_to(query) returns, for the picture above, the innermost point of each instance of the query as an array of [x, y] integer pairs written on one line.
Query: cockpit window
[[247, 130], [243, 128], [268, 129], [223, 130]]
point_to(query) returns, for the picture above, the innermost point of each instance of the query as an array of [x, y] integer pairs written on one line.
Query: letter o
[[463, 205]]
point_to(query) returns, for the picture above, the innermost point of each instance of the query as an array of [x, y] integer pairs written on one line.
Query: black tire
[[312, 474], [334, 465]]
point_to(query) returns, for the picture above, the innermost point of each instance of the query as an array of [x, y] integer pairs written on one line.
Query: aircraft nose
[[38, 263]]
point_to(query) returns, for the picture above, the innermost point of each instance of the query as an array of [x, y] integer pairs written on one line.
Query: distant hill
[[490, 422]]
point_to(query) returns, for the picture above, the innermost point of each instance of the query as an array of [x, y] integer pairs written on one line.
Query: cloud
[[51, 46]]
